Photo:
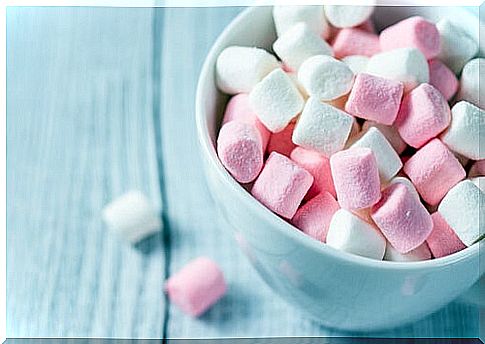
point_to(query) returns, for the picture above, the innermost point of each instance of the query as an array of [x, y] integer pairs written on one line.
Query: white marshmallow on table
[[325, 77], [238, 69], [286, 16], [132, 216], [322, 127], [472, 76], [463, 134], [421, 252], [462, 208], [297, 44], [390, 133], [457, 46], [356, 63], [349, 233], [407, 183], [276, 100], [480, 182], [342, 16]]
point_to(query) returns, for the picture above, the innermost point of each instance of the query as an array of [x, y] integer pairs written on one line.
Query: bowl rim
[[208, 149]]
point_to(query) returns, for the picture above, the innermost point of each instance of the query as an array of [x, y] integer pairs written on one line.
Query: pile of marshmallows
[[349, 135]]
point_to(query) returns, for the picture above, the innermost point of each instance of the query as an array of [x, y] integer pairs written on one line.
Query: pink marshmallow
[[434, 170], [281, 142], [197, 286], [375, 98], [282, 185], [442, 78], [367, 26], [477, 169], [356, 178], [414, 32], [402, 218], [314, 217], [353, 41], [424, 114], [443, 241]]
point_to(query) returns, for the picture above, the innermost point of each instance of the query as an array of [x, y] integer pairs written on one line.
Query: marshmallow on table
[[325, 77], [356, 178], [281, 185], [286, 16], [196, 287], [462, 208], [407, 183], [390, 133], [355, 42], [421, 252], [342, 16], [423, 115], [238, 69], [349, 233], [464, 134], [443, 241], [281, 142], [480, 182], [276, 100], [472, 76], [434, 170], [322, 127], [402, 218], [477, 169], [442, 78], [356, 63], [132, 216]]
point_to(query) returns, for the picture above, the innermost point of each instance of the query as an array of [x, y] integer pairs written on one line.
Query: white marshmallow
[[357, 63], [472, 76], [325, 77], [322, 127], [238, 69], [462, 208], [349, 233], [480, 182], [463, 134], [407, 183], [407, 65], [342, 16], [299, 43], [457, 46], [276, 100], [421, 252], [286, 16], [390, 133], [132, 216], [388, 161]]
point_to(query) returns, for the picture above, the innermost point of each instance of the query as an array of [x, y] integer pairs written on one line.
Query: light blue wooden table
[[100, 101]]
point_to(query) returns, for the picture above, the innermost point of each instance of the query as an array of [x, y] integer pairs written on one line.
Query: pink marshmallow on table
[[434, 170], [477, 169], [197, 286], [402, 218], [414, 32], [356, 178], [281, 185], [443, 240], [281, 142], [423, 115], [375, 98], [442, 78], [353, 41], [313, 218]]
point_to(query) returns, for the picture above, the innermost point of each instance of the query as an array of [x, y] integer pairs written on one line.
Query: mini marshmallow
[[423, 115], [407, 65], [402, 218], [349, 233], [132, 217], [356, 63], [298, 44], [238, 69], [457, 46], [281, 142], [442, 78], [356, 178], [390, 133], [462, 208], [375, 98], [443, 241], [464, 134], [314, 217], [422, 252], [196, 287], [472, 76], [355, 42], [407, 183], [276, 100], [434, 170], [325, 77], [322, 127], [281, 185], [480, 182], [286, 16], [347, 16], [477, 169]]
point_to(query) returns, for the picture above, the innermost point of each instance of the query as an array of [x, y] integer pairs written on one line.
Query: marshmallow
[[388, 162], [442, 78], [477, 169], [423, 115], [349, 233], [356, 63], [299, 86], [434, 170], [457, 46], [276, 100], [355, 42], [402, 218], [407, 183], [367, 26], [132, 217], [443, 241], [347, 16], [464, 134], [286, 16], [472, 76], [325, 78], [196, 287], [407, 65], [414, 32], [281, 185], [298, 44], [314, 217], [462, 208], [281, 142], [480, 182], [322, 127], [238, 69], [421, 252], [356, 178], [375, 98], [390, 133]]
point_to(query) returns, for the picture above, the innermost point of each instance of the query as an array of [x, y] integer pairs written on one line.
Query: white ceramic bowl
[[338, 289]]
